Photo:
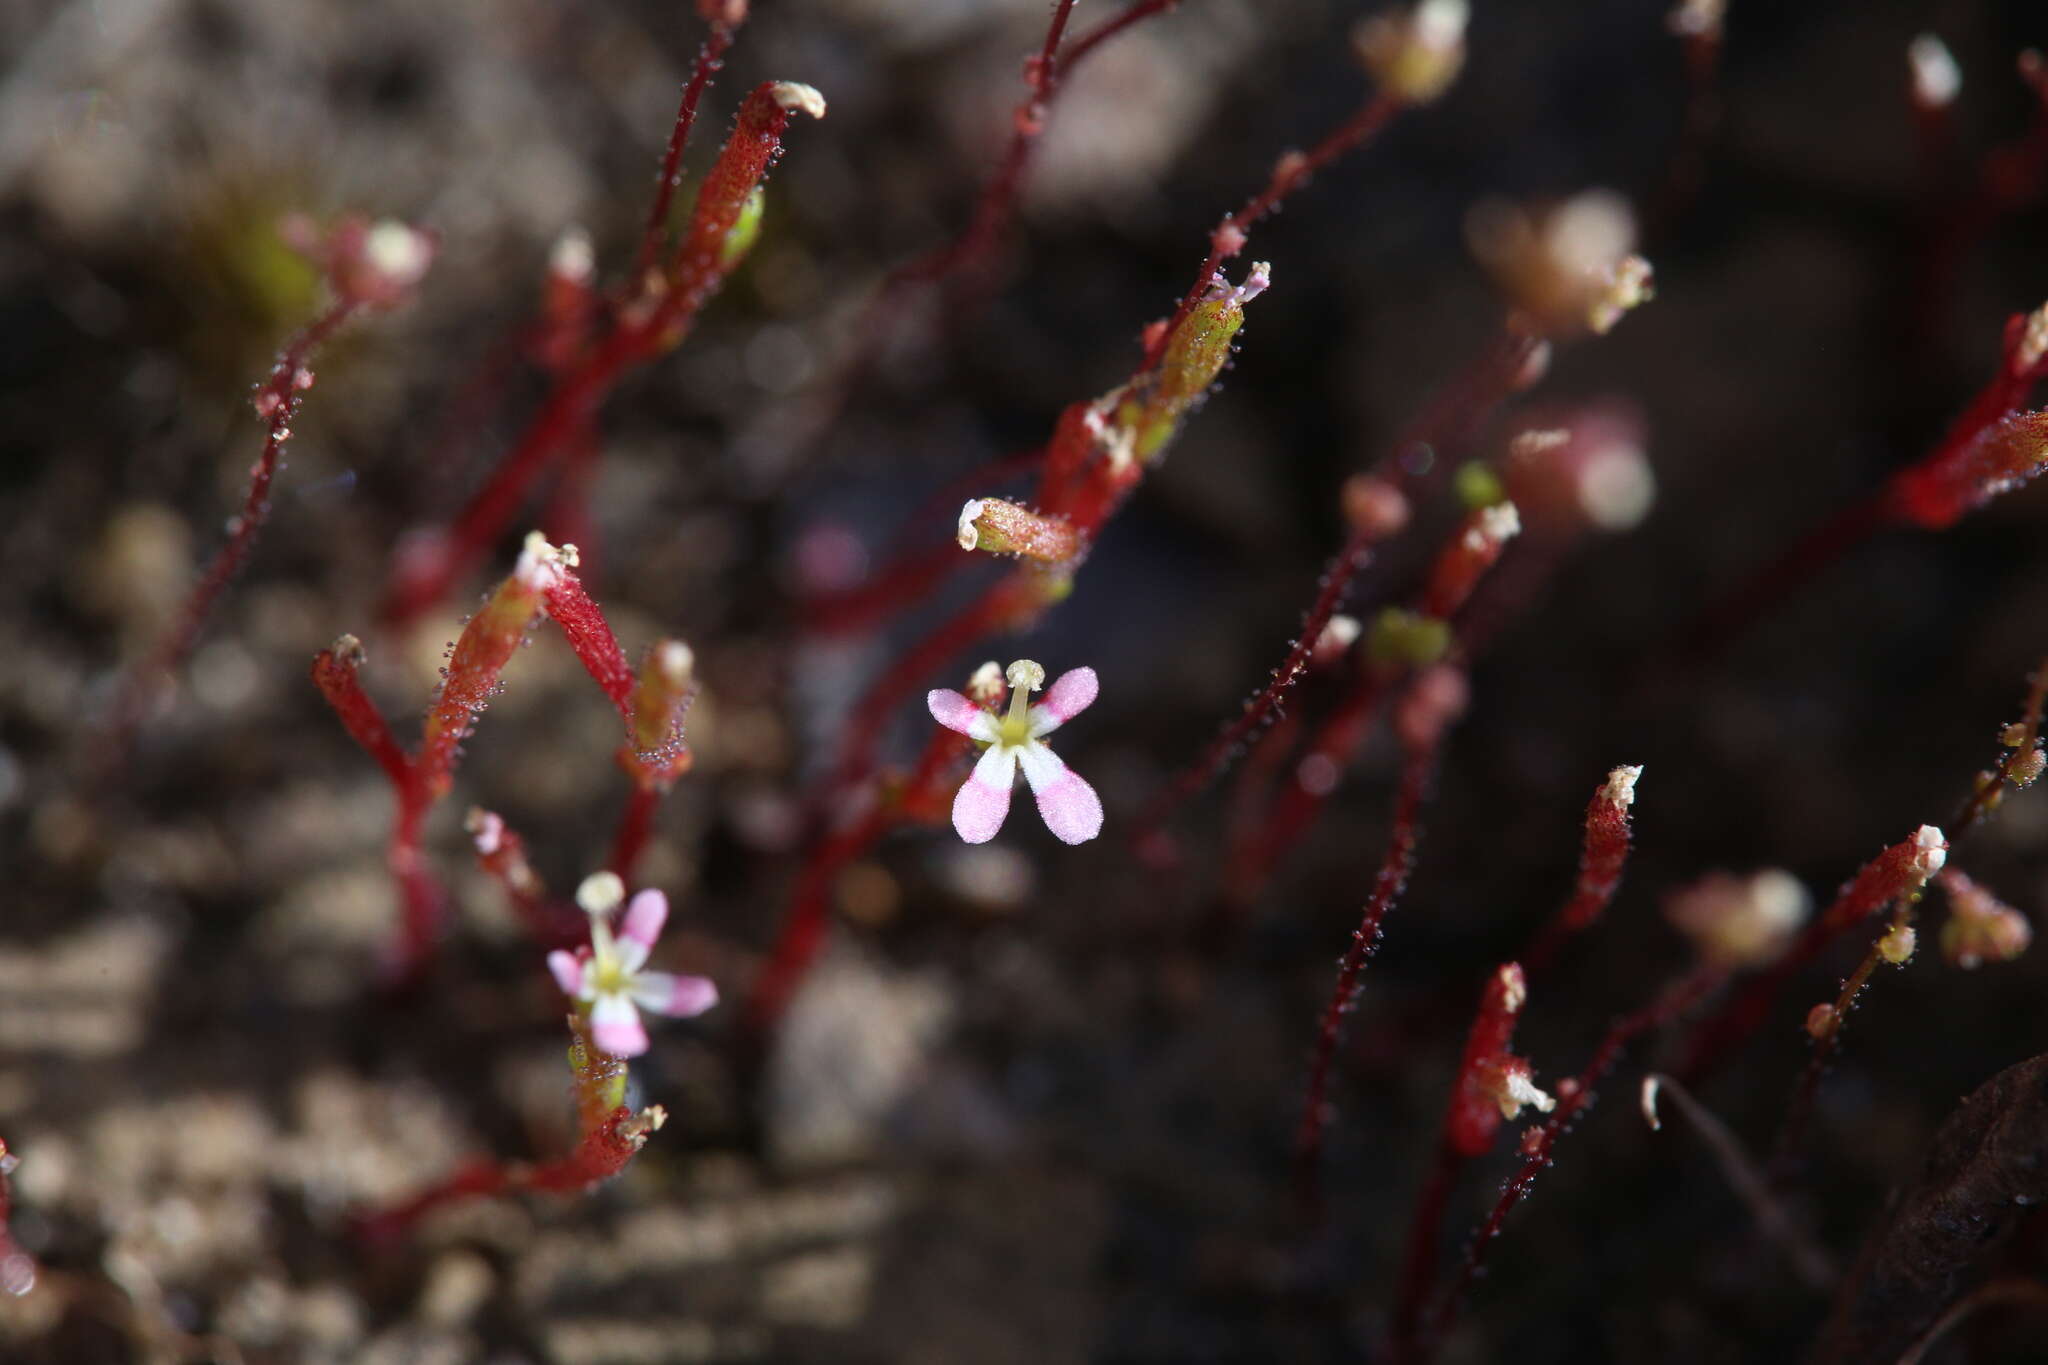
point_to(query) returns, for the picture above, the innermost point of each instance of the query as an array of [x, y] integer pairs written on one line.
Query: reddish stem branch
[[1395, 865], [648, 326], [1990, 448], [1453, 411], [1294, 170], [611, 1136], [277, 401], [1740, 1017], [709, 59], [802, 934], [1573, 1097]]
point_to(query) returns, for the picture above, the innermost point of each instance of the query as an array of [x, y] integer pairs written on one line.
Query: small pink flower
[[607, 975], [1069, 805]]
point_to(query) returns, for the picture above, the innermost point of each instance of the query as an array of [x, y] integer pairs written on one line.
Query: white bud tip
[[1500, 522], [1933, 847], [1649, 1101], [1617, 489], [573, 257], [487, 828], [1440, 24], [1025, 673], [1936, 77], [987, 678], [802, 98], [676, 661], [399, 253], [970, 535], [1697, 18], [1341, 633], [1621, 785], [1514, 988], [541, 564], [600, 893], [1520, 1091]]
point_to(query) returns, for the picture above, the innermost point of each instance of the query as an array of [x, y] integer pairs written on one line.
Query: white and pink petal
[[679, 997], [568, 971], [646, 913], [983, 802], [954, 711], [1070, 694], [1069, 806], [615, 1026]]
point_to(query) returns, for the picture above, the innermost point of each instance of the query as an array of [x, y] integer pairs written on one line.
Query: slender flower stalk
[[543, 584], [369, 268], [648, 324]]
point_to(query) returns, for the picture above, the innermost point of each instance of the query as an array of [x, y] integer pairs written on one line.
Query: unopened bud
[[2027, 356], [1400, 636], [1981, 927], [1697, 18], [798, 97], [985, 686], [1415, 56], [1005, 528], [1936, 77], [1737, 922], [1375, 508]]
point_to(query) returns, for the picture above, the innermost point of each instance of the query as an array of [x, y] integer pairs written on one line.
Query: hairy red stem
[[1395, 865], [280, 394], [710, 58], [1573, 1098], [1292, 172]]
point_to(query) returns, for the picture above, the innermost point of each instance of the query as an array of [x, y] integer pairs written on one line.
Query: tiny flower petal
[[627, 955], [568, 971], [1070, 807], [984, 799], [1071, 694], [958, 714], [616, 1028], [645, 914], [679, 997]]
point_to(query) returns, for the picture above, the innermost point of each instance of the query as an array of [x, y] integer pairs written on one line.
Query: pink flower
[[1069, 805], [607, 975]]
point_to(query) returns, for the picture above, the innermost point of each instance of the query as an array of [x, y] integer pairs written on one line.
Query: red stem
[[1572, 1101], [1294, 810], [988, 613], [282, 394], [1418, 1267], [1395, 866], [1781, 578], [709, 60], [993, 208], [636, 822], [335, 675], [1452, 411], [1260, 711], [1289, 175]]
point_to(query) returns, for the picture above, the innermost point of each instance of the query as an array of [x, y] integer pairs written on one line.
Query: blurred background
[[1036, 1103]]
